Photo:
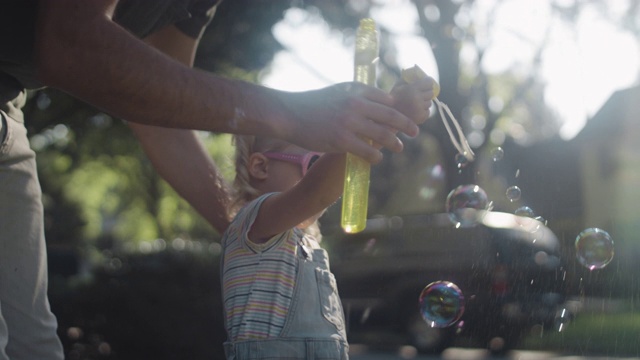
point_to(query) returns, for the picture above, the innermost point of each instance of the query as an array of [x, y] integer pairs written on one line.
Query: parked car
[[507, 267]]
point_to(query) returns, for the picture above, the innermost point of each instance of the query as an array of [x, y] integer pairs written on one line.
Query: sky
[[573, 62]]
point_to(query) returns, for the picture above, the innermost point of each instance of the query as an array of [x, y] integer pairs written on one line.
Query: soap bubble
[[441, 304], [594, 248], [497, 154], [461, 160], [513, 193], [466, 204], [524, 211], [525, 218]]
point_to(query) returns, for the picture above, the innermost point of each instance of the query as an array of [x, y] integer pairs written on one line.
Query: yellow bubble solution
[[355, 198]]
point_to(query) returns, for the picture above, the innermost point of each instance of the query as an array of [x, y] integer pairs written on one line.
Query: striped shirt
[[258, 280]]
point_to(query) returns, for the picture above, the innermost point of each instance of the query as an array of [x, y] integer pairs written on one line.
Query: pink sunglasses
[[304, 160]]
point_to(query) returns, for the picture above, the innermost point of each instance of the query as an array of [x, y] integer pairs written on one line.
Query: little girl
[[280, 298]]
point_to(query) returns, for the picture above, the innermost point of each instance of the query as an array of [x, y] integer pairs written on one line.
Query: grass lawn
[[616, 334]]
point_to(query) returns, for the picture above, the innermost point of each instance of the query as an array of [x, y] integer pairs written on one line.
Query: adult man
[[141, 55]]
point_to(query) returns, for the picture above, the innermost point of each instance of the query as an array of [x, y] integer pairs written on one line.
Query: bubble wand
[[416, 73], [355, 198]]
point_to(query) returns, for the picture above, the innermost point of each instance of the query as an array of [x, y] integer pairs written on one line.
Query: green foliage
[[599, 333], [220, 146]]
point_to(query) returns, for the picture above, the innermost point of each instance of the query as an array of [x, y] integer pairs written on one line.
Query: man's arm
[[80, 50], [181, 160], [177, 154]]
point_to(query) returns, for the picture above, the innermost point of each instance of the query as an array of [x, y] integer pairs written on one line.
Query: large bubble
[[466, 205], [594, 248], [441, 304]]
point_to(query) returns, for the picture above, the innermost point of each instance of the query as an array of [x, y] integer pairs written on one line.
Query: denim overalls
[[314, 328]]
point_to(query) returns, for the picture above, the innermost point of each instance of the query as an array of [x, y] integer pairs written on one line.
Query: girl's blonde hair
[[243, 192]]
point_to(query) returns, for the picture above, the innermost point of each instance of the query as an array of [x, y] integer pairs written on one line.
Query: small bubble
[[524, 211], [513, 193], [441, 304], [466, 204], [594, 248], [461, 160], [497, 154]]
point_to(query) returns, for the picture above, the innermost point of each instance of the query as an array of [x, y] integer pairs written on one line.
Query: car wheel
[[427, 339]]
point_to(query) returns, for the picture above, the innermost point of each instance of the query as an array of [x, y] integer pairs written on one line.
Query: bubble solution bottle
[[355, 198]]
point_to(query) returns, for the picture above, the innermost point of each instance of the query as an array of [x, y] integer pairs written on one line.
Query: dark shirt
[[140, 17]]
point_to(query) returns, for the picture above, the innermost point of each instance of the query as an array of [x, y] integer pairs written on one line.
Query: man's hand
[[343, 117], [414, 98]]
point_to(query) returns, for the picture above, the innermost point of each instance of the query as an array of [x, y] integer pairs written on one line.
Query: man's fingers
[[361, 147], [390, 117], [373, 94], [380, 135], [377, 106]]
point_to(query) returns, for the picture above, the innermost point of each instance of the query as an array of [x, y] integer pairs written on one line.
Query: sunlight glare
[[582, 63], [584, 66], [314, 54]]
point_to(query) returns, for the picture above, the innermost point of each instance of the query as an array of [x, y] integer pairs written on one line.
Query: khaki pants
[[27, 326]]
